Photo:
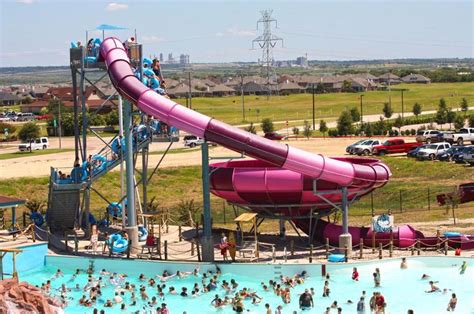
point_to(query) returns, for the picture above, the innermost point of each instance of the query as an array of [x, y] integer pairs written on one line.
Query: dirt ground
[[35, 166]]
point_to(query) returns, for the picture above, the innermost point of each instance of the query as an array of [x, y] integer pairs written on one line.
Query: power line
[[267, 41]]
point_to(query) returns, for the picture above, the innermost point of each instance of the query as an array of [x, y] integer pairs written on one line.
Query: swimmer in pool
[[404, 264], [463, 268], [433, 288]]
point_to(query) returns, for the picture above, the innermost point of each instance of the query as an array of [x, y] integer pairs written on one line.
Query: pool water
[[403, 289]]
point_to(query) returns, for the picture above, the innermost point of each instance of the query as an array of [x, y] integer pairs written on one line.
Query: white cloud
[[113, 6], [235, 31], [219, 34], [26, 1], [151, 39]]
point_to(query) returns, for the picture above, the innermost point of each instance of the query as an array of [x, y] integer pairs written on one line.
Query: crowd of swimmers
[[151, 292]]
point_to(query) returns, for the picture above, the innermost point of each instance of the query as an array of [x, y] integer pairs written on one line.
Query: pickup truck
[[464, 134], [37, 144], [394, 146]]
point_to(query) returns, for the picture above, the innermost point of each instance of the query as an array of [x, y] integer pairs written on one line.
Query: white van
[[36, 144]]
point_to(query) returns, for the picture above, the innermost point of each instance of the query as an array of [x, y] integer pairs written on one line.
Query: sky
[[39, 32]]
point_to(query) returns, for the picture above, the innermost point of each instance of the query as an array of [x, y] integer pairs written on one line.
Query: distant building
[[162, 59], [302, 62], [183, 59], [170, 58], [416, 78], [389, 78], [8, 99]]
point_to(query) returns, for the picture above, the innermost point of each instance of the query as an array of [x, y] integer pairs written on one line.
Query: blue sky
[[38, 32]]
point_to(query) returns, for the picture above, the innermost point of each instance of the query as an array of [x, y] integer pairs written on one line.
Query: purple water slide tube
[[315, 166]]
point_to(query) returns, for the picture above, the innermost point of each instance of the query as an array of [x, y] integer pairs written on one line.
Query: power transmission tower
[[267, 41]]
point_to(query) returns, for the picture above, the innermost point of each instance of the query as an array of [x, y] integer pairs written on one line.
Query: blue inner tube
[[336, 258], [37, 218], [115, 209], [119, 244], [142, 233], [451, 234]]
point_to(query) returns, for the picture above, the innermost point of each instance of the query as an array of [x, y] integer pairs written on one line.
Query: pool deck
[[186, 249]]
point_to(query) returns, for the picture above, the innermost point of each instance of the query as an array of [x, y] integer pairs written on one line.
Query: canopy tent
[[106, 27]]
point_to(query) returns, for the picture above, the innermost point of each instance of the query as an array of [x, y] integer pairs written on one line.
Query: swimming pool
[[402, 288]]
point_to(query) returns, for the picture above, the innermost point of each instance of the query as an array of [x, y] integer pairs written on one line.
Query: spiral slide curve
[[280, 175]]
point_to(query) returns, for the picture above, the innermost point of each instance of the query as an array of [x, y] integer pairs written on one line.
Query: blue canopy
[[106, 27]]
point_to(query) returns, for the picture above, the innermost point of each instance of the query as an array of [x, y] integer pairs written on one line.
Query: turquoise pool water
[[402, 288]]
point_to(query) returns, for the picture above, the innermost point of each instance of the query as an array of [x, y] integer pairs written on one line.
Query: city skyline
[[35, 32]]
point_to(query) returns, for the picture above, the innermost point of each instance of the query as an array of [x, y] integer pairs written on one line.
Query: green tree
[[387, 110], [441, 116], [450, 117], [346, 86], [355, 114], [251, 128], [416, 109], [458, 122], [296, 130], [344, 124], [53, 106], [319, 88], [471, 121], [44, 110], [398, 123], [368, 129], [267, 125], [323, 127], [307, 130], [112, 118], [464, 105], [29, 131]]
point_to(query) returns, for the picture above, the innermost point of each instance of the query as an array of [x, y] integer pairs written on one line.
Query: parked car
[[465, 194], [449, 154], [412, 153], [447, 136], [366, 147], [44, 117], [4, 118], [350, 148], [394, 146], [27, 116], [432, 150], [458, 157], [464, 135], [426, 136], [468, 155], [192, 141], [36, 144], [274, 136]]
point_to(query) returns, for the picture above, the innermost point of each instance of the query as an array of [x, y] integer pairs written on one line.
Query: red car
[[44, 117], [394, 146], [465, 193], [274, 136]]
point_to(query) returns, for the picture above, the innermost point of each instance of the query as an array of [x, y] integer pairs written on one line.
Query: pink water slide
[[279, 178]]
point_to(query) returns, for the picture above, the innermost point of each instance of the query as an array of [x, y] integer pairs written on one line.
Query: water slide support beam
[[132, 229], [206, 240], [345, 239]]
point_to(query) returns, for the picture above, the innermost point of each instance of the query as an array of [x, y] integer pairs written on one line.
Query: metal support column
[[206, 240], [132, 229], [345, 239], [76, 114], [122, 184], [84, 113], [144, 181]]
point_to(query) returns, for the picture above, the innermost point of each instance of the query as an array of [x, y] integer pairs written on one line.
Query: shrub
[[332, 132], [267, 125], [344, 124], [296, 131], [412, 132], [11, 128]]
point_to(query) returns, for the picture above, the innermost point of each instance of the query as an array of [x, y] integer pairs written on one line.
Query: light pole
[[361, 110], [314, 118], [242, 95]]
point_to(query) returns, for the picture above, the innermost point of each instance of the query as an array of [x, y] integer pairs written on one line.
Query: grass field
[[171, 186], [299, 106], [33, 153]]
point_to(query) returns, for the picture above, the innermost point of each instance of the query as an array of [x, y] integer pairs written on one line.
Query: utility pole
[[267, 41], [59, 123], [314, 118], [242, 95], [190, 96], [361, 110], [403, 107]]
